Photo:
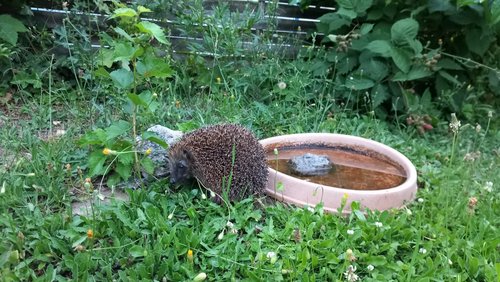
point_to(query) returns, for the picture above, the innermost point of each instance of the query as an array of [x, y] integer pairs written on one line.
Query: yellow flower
[[190, 256], [90, 234], [343, 201], [107, 151], [218, 79], [148, 151]]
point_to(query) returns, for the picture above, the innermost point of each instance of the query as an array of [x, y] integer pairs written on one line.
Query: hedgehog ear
[[187, 154]]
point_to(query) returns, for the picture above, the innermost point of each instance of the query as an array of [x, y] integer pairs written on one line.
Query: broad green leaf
[[187, 125], [113, 179], [124, 13], [137, 100], [117, 128], [101, 72], [122, 78], [404, 31], [96, 163], [152, 102], [126, 159], [444, 74], [137, 251], [154, 67], [379, 95], [123, 170], [478, 40], [106, 57], [153, 137], [401, 59], [148, 165], [495, 15], [79, 241], [123, 33], [416, 72], [359, 6], [347, 64], [380, 47], [141, 215], [9, 28], [142, 9], [359, 214], [365, 28], [440, 6], [124, 51], [416, 46], [358, 83], [153, 29], [374, 69], [376, 260], [349, 14], [331, 22], [448, 64], [95, 137], [124, 219]]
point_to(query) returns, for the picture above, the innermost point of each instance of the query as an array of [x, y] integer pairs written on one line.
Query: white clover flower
[[281, 85], [350, 274], [420, 200], [203, 196], [272, 257], [490, 114], [311, 209], [422, 251], [450, 262], [488, 186], [229, 224], [350, 232], [378, 224], [370, 267]]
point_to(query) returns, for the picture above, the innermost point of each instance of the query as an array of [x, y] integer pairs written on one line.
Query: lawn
[[54, 127], [449, 233]]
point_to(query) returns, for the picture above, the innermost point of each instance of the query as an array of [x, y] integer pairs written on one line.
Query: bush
[[419, 58]]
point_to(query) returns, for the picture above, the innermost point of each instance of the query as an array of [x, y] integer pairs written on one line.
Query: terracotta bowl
[[305, 193]]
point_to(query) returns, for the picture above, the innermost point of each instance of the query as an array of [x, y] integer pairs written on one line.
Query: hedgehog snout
[[173, 180]]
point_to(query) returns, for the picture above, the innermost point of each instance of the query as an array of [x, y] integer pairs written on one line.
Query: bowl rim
[[389, 152]]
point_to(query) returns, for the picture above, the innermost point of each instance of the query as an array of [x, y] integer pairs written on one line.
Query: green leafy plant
[[392, 50], [130, 62]]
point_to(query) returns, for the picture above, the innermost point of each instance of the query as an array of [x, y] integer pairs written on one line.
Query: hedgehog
[[220, 156]]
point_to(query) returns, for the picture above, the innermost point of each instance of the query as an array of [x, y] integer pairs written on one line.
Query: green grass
[[440, 237]]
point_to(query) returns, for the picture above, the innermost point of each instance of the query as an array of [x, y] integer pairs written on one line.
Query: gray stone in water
[[310, 165]]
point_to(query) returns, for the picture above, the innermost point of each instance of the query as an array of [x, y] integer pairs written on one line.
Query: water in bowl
[[353, 168]]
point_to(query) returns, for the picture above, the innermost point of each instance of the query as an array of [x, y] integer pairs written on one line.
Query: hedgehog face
[[180, 169]]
